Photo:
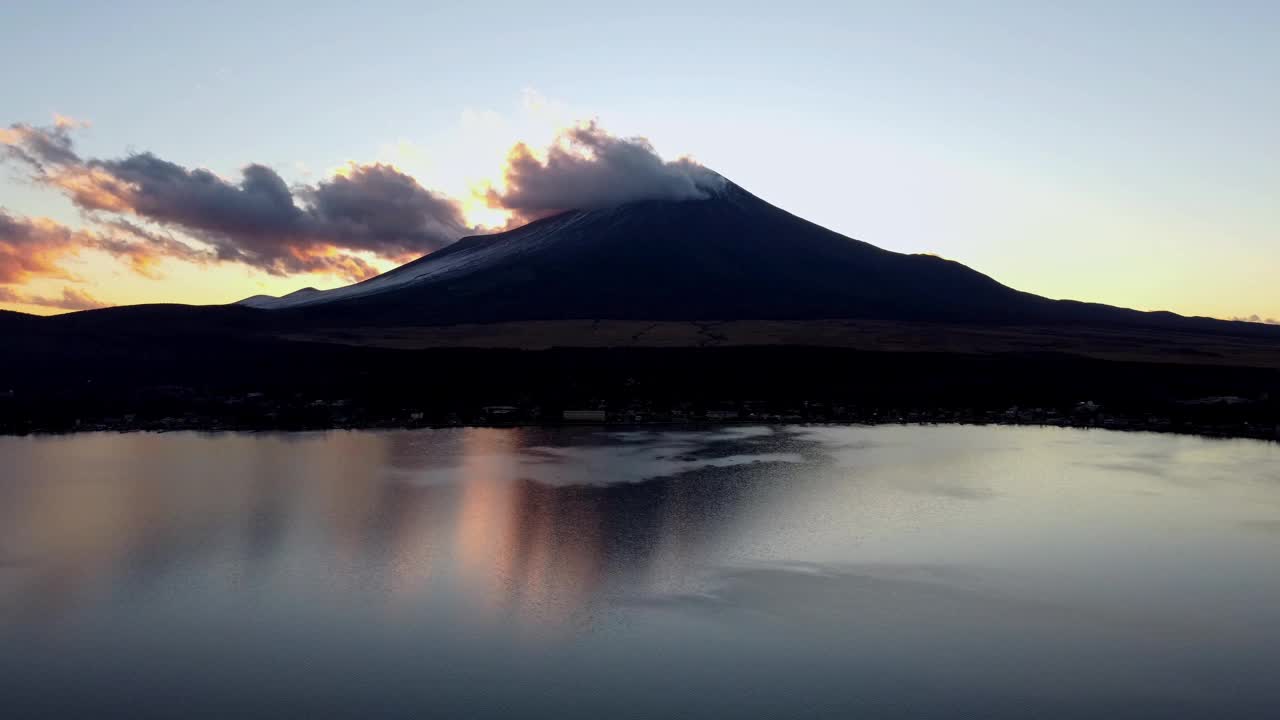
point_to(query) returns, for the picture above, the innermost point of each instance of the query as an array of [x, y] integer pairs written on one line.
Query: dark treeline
[[101, 381]]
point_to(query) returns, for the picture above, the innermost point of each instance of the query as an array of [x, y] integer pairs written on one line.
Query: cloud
[[259, 220], [41, 147], [146, 248], [587, 168], [37, 247], [70, 299], [1256, 319], [378, 209]]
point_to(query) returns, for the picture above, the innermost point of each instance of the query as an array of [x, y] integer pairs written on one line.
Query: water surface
[[785, 571]]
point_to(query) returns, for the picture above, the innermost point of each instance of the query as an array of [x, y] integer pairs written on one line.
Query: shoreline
[[1230, 431]]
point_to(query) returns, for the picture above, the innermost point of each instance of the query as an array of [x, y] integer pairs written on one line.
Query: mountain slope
[[729, 257]]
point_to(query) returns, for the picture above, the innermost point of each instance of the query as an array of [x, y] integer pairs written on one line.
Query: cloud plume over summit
[[587, 168]]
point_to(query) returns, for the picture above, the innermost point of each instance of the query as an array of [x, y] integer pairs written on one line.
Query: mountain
[[270, 301], [731, 256]]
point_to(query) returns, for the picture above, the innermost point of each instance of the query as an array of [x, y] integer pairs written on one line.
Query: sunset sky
[[1119, 152]]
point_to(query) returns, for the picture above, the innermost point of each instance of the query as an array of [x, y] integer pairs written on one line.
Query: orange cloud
[[63, 121], [70, 299], [146, 248], [35, 248], [93, 188]]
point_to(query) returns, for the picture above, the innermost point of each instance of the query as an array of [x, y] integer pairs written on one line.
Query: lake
[[799, 571]]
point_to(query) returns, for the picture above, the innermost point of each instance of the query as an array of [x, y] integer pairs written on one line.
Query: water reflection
[[562, 557], [518, 524]]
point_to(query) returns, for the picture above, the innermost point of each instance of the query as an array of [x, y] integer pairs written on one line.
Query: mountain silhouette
[[730, 256]]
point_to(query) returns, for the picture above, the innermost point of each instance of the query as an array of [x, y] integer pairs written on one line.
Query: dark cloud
[[588, 168], [381, 210], [251, 222], [70, 299], [261, 222], [41, 148], [1255, 318], [258, 221], [168, 193]]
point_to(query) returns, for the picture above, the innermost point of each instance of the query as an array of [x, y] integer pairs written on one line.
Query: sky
[[1117, 152]]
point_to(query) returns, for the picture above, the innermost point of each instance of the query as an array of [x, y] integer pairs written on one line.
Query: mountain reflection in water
[[793, 570]]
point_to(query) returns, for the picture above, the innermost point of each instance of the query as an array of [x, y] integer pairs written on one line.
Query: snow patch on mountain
[[466, 256]]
